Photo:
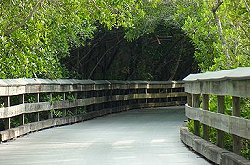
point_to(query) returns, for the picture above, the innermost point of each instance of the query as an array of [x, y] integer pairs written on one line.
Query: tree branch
[[91, 73], [244, 30], [9, 31], [92, 48], [247, 7], [216, 7], [219, 26]]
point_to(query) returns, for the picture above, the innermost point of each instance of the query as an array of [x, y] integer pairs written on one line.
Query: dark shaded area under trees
[[166, 54]]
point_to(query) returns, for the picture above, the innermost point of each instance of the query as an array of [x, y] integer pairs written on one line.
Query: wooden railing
[[199, 87], [29, 105]]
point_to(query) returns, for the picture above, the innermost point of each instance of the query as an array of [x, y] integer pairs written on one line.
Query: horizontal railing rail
[[199, 88], [28, 105]]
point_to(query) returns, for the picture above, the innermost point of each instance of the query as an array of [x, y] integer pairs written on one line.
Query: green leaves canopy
[[219, 30], [35, 35]]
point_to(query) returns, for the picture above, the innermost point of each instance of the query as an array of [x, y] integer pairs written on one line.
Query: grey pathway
[[137, 137]]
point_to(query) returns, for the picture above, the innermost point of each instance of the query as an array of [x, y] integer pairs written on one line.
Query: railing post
[[7, 120], [205, 106], [38, 97], [75, 95], [196, 104], [220, 109], [21, 100], [38, 100], [8, 101], [75, 99], [189, 99], [236, 112], [50, 116], [64, 96]]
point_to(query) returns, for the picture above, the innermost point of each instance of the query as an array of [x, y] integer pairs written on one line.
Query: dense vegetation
[[128, 39], [36, 35], [165, 54]]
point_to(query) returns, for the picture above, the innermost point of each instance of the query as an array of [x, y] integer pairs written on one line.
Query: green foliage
[[220, 34], [57, 97], [30, 98], [213, 104], [70, 97], [56, 113], [217, 47], [246, 148], [81, 110], [245, 107], [45, 97], [158, 13], [35, 35]]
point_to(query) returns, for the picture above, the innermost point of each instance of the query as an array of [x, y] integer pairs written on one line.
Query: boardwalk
[[137, 137]]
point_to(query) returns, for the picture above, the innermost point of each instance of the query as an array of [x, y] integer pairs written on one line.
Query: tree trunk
[[219, 26]]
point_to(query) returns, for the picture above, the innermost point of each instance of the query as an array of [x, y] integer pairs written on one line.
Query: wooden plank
[[240, 126], [205, 106], [71, 86], [7, 112], [7, 123], [193, 113], [220, 109], [37, 116], [30, 127], [189, 99], [230, 124], [239, 88], [196, 103], [211, 151], [236, 112]]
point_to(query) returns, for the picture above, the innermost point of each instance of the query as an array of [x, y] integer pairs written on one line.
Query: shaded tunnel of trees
[[166, 54]]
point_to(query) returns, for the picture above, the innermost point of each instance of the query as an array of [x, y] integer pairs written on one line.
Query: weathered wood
[[12, 90], [23, 119], [5, 101], [38, 97], [158, 86], [240, 88], [30, 127], [220, 109], [50, 112], [196, 103], [21, 99], [210, 151], [64, 96], [37, 116], [236, 112], [230, 124], [7, 123], [205, 106], [8, 101], [189, 99], [138, 97], [235, 82]]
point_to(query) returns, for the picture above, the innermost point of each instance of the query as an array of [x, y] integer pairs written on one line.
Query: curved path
[[137, 137]]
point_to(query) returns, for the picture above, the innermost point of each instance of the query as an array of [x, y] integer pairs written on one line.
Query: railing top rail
[[165, 82], [241, 73], [30, 81], [235, 82]]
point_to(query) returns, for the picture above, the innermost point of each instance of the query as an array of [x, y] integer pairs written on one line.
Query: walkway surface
[[137, 137]]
